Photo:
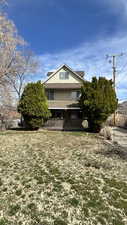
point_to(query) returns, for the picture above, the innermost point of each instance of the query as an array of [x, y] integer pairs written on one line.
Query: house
[[63, 91]]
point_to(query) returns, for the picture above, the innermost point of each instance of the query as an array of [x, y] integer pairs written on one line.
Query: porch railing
[[72, 124]]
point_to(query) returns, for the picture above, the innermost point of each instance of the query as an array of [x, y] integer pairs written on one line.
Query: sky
[[79, 33]]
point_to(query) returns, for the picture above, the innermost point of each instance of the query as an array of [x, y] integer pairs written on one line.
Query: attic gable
[[73, 77], [80, 73]]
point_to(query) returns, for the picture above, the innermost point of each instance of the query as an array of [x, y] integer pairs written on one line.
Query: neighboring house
[[63, 92], [122, 108]]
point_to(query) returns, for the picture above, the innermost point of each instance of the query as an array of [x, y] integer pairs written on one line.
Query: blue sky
[[77, 32]]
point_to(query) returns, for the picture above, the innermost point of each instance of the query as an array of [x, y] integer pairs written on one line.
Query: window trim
[[77, 95], [65, 75], [51, 94]]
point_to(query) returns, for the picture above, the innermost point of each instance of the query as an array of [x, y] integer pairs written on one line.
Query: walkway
[[119, 135]]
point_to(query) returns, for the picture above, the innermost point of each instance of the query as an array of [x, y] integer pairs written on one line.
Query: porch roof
[[63, 85]]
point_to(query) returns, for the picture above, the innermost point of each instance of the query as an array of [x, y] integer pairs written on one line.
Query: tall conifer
[[33, 105], [98, 101]]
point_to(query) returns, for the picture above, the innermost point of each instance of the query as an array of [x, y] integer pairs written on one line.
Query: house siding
[[52, 104], [72, 78], [63, 94], [65, 108]]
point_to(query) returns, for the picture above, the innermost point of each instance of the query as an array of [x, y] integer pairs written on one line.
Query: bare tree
[[9, 43], [6, 105], [16, 65], [24, 66]]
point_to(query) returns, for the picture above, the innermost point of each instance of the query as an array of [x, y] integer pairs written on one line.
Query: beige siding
[[72, 78], [62, 104], [62, 94]]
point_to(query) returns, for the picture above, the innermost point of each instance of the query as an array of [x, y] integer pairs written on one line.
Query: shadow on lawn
[[22, 129], [114, 150]]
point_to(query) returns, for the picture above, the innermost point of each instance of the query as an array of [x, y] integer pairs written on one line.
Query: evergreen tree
[[33, 105], [98, 101]]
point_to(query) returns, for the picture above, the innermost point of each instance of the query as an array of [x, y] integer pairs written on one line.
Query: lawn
[[60, 178]]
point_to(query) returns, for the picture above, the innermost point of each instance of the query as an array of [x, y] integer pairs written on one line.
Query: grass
[[60, 178]]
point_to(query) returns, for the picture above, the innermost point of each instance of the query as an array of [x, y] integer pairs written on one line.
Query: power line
[[113, 61], [121, 70]]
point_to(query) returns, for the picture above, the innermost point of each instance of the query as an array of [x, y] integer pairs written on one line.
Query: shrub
[[98, 101], [33, 105]]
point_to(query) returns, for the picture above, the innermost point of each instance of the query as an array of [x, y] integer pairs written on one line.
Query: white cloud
[[91, 58], [118, 6]]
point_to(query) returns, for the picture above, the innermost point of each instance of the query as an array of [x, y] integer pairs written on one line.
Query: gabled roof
[[64, 65]]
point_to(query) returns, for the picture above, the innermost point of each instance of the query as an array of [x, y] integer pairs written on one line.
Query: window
[[64, 75], [75, 95], [78, 94], [50, 95]]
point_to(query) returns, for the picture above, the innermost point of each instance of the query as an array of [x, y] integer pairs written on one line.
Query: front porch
[[65, 119]]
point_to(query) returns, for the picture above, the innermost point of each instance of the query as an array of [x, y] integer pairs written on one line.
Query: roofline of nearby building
[[60, 69]]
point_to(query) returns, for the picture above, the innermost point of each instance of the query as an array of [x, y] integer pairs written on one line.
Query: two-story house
[[63, 91]]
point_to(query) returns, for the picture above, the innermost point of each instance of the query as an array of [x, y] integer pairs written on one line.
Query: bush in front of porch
[[33, 105]]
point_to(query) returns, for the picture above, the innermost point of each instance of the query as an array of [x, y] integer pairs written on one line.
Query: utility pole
[[114, 70], [113, 61]]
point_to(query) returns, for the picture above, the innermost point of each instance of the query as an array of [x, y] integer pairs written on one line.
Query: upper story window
[[64, 75], [50, 94], [78, 94], [75, 95]]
